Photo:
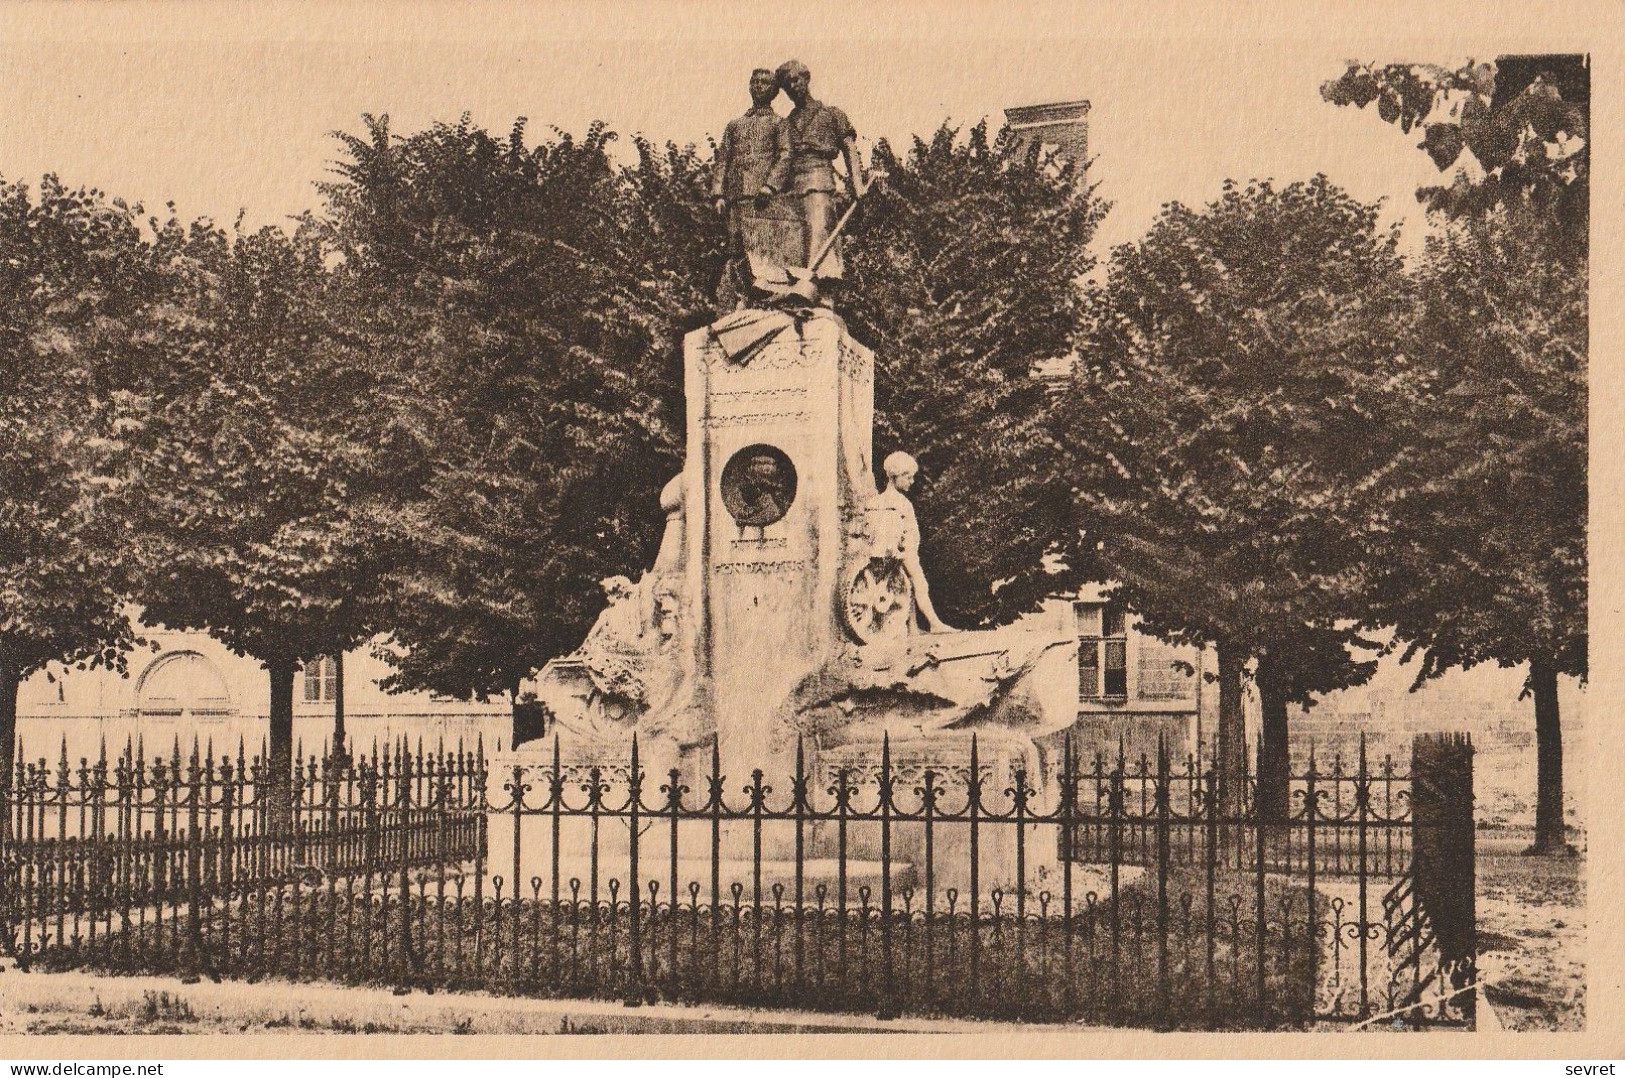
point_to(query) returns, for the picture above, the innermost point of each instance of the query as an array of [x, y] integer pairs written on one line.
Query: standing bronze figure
[[753, 168], [819, 133]]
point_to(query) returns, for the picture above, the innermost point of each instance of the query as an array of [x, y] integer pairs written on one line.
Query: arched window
[[182, 684], [321, 677]]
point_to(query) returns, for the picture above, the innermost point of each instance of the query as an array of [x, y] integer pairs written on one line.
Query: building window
[[321, 680], [182, 684], [1102, 651], [1088, 668]]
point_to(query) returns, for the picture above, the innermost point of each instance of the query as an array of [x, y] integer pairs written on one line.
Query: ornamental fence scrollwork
[[1111, 889]]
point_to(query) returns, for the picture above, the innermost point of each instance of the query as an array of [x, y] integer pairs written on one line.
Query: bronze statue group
[[775, 183]]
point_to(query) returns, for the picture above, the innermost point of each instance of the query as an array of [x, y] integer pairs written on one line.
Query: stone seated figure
[[630, 664], [889, 588]]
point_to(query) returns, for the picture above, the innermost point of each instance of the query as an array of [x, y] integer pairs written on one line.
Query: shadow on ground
[[1531, 934]]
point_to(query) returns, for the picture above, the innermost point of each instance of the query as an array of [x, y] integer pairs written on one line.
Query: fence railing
[[1358, 813], [1111, 891], [101, 844]]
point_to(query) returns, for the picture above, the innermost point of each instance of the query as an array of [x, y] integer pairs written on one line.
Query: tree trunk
[[1274, 754], [338, 750], [1550, 836], [9, 683], [517, 715], [280, 752], [1230, 740]]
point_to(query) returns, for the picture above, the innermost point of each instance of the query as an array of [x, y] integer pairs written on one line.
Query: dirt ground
[[1531, 934]]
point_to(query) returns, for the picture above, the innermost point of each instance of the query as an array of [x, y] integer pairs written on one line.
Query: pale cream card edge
[[1419, 31]]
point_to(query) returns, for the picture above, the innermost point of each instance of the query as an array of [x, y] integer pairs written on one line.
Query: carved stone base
[[1002, 758]]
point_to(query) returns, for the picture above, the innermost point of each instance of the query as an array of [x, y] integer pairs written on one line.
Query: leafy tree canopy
[[74, 277], [1525, 121], [1227, 422], [265, 478], [537, 298], [965, 271], [1486, 559]]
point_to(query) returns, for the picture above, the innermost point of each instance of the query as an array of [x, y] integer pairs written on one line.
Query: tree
[[965, 270], [1226, 430], [537, 296], [1488, 558], [74, 282], [1525, 121], [267, 473]]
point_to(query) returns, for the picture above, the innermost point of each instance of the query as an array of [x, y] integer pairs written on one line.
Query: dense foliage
[[76, 287], [534, 298], [265, 488], [1486, 560], [966, 272], [1523, 120], [1227, 428]]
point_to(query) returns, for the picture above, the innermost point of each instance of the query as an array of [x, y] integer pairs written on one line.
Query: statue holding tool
[[819, 133], [775, 182]]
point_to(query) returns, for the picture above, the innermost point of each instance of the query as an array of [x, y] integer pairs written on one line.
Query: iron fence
[[95, 849], [1108, 891], [1357, 813]]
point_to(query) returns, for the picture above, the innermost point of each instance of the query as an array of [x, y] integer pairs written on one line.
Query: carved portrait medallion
[[758, 485]]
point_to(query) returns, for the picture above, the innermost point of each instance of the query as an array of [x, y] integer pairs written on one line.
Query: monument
[[787, 606]]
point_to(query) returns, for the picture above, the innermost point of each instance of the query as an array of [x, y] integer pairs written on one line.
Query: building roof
[[1059, 112]]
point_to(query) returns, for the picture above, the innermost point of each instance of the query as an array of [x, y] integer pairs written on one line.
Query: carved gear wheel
[[879, 602]]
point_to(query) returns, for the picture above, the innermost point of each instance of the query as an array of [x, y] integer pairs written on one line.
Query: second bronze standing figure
[[819, 133]]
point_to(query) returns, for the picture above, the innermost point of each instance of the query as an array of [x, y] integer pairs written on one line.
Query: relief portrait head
[[758, 486]]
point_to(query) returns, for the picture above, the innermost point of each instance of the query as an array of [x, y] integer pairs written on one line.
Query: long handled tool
[[801, 278]]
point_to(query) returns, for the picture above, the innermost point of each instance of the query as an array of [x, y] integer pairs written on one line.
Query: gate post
[[1443, 861]]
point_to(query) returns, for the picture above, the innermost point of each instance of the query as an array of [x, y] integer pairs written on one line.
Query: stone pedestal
[[779, 449], [1001, 757]]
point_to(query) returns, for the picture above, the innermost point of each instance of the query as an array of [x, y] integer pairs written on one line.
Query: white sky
[[224, 108]]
